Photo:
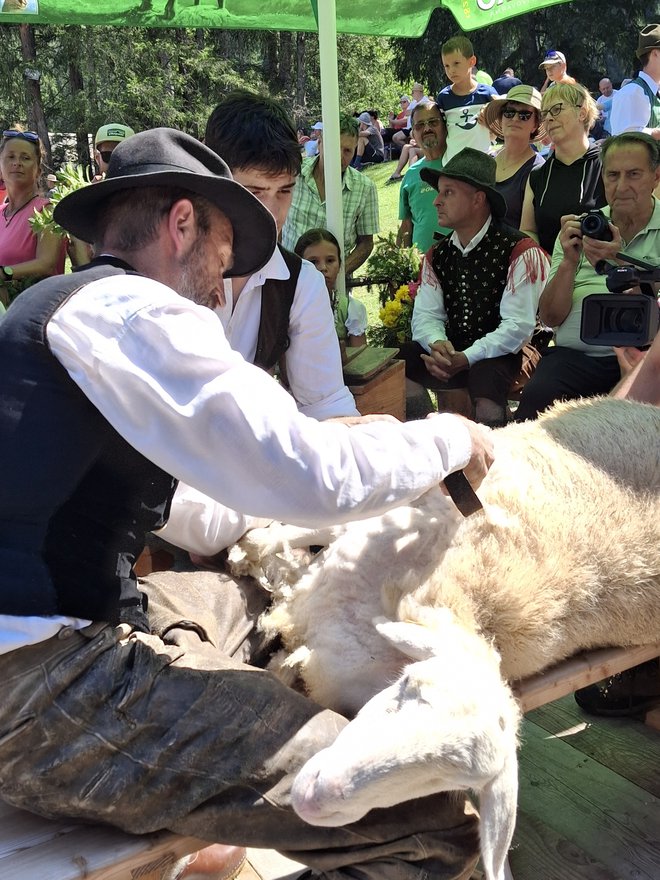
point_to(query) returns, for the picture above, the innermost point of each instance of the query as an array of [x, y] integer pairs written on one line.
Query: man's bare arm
[[364, 246]]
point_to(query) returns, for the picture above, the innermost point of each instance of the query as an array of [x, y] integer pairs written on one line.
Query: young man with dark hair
[[283, 311]]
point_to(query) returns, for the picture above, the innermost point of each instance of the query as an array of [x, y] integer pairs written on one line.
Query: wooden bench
[[31, 847]]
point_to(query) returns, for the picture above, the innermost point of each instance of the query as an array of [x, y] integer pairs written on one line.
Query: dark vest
[[472, 285], [654, 100], [76, 500], [276, 301]]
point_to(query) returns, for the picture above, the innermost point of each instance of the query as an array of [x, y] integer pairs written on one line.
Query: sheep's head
[[448, 723]]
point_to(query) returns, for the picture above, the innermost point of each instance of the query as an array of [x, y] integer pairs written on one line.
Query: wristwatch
[[7, 273]]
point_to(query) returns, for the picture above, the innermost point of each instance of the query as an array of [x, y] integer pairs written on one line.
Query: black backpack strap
[[276, 301]]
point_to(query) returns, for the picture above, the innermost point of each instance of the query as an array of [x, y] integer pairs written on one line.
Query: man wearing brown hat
[[115, 382], [636, 106], [476, 305]]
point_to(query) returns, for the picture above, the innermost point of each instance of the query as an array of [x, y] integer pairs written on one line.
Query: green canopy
[[405, 18]]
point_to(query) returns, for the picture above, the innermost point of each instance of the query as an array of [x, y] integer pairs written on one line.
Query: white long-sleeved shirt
[[631, 110], [313, 359], [518, 306], [160, 370]]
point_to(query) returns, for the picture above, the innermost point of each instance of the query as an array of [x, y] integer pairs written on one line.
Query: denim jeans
[[145, 732]]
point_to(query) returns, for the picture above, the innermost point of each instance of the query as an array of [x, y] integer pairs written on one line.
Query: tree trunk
[[300, 69], [269, 65], [77, 86], [31, 77], [286, 63]]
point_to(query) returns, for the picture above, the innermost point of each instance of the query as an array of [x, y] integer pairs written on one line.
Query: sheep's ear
[[415, 641], [497, 806]]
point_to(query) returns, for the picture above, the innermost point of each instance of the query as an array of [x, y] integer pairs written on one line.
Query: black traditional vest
[[472, 285], [76, 500], [276, 301]]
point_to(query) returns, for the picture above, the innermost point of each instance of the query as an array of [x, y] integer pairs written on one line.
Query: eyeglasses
[[523, 115], [434, 122], [556, 109], [105, 155], [31, 136]]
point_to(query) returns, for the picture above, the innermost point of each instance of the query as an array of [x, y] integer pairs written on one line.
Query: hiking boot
[[630, 693]]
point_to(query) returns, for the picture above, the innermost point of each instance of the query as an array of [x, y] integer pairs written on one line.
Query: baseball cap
[[318, 126], [113, 131], [552, 57]]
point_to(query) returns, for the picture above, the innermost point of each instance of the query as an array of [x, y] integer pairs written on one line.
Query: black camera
[[596, 225], [622, 319]]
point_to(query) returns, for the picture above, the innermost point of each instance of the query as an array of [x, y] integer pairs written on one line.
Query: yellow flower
[[390, 313]]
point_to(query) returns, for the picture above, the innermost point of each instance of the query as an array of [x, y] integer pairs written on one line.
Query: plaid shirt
[[307, 211]]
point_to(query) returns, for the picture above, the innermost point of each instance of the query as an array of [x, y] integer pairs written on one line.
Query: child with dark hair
[[321, 249]]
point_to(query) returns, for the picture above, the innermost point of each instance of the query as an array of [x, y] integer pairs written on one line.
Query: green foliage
[[398, 265], [69, 179]]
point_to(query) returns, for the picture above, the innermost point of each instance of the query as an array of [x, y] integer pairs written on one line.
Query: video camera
[[626, 319]]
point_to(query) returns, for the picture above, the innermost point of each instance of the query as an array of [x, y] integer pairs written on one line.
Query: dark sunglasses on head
[[523, 115], [31, 136], [105, 155]]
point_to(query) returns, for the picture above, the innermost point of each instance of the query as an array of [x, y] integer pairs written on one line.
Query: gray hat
[[473, 167], [166, 157], [649, 38], [364, 117]]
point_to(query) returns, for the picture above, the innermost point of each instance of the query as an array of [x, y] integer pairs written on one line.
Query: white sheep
[[565, 556]]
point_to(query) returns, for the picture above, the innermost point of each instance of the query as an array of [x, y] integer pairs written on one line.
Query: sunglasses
[[31, 136], [105, 155], [523, 115], [434, 122], [556, 109]]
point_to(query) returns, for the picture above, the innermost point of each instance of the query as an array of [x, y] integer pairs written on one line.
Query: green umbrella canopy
[[404, 18]]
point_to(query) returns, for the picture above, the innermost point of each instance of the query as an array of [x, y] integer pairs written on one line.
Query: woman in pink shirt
[[24, 256]]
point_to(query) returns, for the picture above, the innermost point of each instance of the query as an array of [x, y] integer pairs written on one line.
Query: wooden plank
[[368, 363], [539, 853], [585, 805], [625, 745], [32, 847], [579, 671]]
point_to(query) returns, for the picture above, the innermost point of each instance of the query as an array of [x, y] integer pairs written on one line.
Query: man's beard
[[195, 283]]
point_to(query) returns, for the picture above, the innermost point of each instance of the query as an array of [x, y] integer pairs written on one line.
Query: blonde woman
[[570, 182]]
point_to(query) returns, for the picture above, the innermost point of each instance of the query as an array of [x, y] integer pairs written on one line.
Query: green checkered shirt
[[307, 211]]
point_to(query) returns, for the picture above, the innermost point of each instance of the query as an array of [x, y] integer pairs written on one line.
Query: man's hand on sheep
[[482, 456]]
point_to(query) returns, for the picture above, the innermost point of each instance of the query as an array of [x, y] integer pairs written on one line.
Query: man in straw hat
[[115, 382], [476, 305], [636, 106]]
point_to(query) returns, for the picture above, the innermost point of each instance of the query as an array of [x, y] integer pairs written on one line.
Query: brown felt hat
[[649, 38], [166, 157]]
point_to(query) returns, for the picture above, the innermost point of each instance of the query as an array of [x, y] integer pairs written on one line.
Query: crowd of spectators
[[503, 177]]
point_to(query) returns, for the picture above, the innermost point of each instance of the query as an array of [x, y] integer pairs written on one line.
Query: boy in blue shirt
[[462, 101]]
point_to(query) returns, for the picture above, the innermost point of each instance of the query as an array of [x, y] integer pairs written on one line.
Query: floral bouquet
[[395, 317], [396, 269]]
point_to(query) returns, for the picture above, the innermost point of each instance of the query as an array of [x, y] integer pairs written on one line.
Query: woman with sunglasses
[[515, 119], [570, 182], [24, 257]]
